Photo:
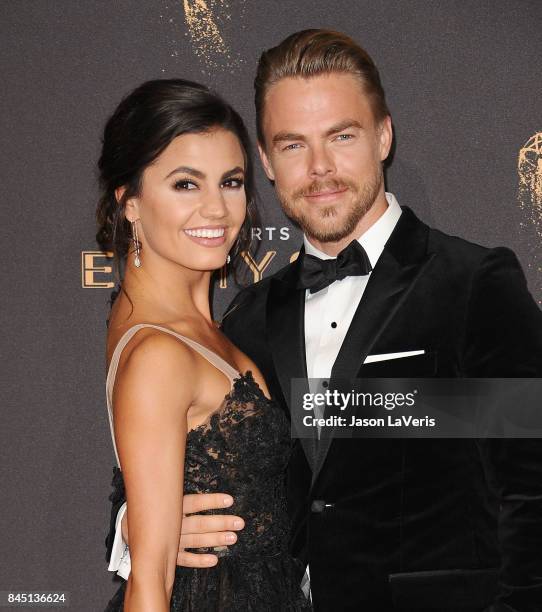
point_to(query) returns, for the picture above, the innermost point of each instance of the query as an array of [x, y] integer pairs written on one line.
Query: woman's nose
[[213, 205]]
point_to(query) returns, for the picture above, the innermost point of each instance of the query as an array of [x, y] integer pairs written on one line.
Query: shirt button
[[334, 325], [320, 505], [325, 384]]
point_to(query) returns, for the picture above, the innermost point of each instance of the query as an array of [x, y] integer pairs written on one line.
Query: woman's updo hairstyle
[[142, 126]]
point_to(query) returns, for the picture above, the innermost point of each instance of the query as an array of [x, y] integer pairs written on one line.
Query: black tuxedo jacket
[[440, 524]]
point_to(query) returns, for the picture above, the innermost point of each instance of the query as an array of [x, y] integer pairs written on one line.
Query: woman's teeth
[[206, 233]]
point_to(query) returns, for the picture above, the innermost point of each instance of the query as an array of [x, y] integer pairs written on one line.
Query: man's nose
[[321, 162]]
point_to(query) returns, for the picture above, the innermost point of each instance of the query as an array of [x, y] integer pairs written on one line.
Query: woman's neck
[[168, 292]]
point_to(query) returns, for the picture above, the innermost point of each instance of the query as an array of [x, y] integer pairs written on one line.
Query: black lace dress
[[243, 449]]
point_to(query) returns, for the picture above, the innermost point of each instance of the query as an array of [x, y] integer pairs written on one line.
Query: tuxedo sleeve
[[504, 340]]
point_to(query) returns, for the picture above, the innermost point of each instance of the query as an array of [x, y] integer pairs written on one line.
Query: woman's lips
[[325, 196], [209, 236]]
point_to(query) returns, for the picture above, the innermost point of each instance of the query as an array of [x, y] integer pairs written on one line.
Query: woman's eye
[[234, 183], [184, 184]]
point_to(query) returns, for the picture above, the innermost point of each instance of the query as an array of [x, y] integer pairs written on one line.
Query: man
[[432, 524]]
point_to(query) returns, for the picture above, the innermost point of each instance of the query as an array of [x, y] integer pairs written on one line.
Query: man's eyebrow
[[343, 125], [187, 170], [283, 136], [335, 129]]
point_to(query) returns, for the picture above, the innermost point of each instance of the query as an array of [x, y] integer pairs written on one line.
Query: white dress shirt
[[329, 312], [328, 315]]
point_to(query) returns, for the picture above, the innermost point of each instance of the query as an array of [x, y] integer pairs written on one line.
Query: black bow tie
[[316, 274]]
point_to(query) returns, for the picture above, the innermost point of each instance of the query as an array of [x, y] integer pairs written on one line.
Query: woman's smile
[[207, 235]]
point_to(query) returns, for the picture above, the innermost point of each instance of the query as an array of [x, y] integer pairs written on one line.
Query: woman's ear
[[131, 206], [119, 192]]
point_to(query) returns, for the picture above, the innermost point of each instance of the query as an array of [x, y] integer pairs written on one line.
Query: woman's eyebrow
[[187, 170], [233, 171]]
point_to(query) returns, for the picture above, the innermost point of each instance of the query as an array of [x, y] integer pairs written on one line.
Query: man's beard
[[364, 197]]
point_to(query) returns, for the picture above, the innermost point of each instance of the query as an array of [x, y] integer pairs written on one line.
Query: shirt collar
[[375, 238]]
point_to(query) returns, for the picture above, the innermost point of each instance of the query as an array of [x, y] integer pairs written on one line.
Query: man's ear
[[385, 136], [131, 208], [268, 168]]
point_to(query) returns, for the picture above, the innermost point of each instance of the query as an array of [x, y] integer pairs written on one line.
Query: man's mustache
[[323, 186]]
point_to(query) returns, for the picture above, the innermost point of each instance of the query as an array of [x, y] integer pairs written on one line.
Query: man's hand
[[202, 530]]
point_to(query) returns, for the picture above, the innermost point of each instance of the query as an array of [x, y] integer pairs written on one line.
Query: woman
[[188, 411]]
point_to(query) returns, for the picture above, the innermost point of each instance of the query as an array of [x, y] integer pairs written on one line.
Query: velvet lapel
[[403, 260], [286, 337]]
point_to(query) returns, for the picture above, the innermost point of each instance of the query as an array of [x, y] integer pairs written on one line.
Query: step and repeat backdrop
[[463, 81]]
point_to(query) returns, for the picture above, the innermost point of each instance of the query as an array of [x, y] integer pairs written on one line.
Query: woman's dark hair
[[142, 126]]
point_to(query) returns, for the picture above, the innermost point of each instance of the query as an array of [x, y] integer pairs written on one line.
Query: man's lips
[[322, 196]]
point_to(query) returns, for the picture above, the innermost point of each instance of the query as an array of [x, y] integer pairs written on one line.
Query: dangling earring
[[228, 259], [137, 259]]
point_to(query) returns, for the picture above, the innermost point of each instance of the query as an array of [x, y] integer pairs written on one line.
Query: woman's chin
[[210, 264]]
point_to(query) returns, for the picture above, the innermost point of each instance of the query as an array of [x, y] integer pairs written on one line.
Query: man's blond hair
[[311, 53]]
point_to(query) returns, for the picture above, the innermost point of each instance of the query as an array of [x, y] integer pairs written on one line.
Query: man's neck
[[332, 249]]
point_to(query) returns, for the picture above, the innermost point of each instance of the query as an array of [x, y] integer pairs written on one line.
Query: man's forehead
[[312, 85], [317, 104]]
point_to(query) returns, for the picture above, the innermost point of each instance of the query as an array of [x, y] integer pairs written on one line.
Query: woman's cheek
[[240, 212]]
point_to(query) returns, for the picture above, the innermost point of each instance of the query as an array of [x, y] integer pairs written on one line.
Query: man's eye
[[184, 184], [234, 183], [345, 136], [291, 147]]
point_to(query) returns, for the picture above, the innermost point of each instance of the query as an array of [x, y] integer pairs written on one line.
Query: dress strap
[[220, 364]]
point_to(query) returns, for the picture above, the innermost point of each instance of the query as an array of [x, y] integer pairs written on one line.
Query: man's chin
[[329, 232], [331, 224]]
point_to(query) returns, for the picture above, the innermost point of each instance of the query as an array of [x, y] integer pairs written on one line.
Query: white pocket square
[[388, 356]]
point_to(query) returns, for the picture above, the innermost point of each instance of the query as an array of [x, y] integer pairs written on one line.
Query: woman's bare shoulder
[[155, 360]]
